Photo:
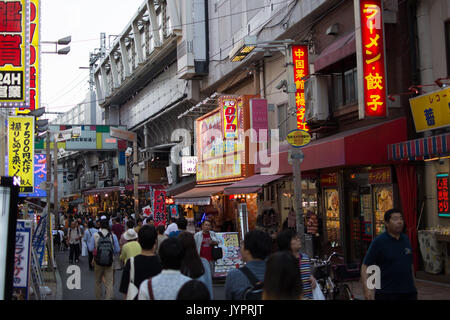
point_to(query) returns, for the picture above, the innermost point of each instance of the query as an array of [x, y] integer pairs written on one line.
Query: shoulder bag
[[132, 289]]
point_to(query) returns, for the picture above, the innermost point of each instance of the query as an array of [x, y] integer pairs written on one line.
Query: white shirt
[[171, 228], [165, 286]]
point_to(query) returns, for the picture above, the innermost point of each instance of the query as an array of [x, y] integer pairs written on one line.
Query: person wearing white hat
[[132, 248]]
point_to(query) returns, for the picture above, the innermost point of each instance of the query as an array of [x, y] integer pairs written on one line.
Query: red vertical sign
[[373, 58], [301, 70], [442, 195], [159, 207]]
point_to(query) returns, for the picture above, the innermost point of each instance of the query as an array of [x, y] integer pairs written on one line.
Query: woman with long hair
[[192, 265], [282, 279]]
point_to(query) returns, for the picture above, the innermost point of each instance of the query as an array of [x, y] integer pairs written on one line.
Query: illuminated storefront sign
[[301, 70], [442, 195], [14, 53], [40, 176], [380, 176], [21, 151], [229, 108], [374, 70], [34, 58]]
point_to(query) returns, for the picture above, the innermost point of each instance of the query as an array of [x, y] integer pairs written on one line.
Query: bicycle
[[331, 277]]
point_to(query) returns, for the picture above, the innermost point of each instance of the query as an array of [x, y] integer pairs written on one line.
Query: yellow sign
[[431, 111], [220, 168], [21, 151], [298, 138]]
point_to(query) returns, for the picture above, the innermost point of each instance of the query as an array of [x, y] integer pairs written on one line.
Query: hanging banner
[[22, 260], [374, 68], [173, 209], [159, 207], [40, 176], [21, 151], [301, 70], [14, 53], [34, 62], [229, 107], [38, 242]]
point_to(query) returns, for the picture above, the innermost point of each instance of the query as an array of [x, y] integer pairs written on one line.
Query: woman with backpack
[[192, 264]]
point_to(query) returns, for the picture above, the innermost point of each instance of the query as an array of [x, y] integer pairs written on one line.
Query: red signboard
[[328, 180], [301, 70], [229, 107], [442, 194], [159, 207], [380, 176], [373, 58]]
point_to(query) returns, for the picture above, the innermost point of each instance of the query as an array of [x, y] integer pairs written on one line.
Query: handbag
[[216, 253], [132, 289]]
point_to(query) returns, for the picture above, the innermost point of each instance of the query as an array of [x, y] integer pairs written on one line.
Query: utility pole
[[49, 213], [55, 178], [297, 154]]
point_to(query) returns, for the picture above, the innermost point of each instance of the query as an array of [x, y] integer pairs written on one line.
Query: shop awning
[[145, 186], [358, 147], [200, 196], [420, 149], [252, 184], [181, 187], [102, 190], [338, 50]]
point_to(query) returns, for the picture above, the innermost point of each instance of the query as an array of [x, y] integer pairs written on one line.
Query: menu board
[[383, 198], [229, 242], [332, 212]]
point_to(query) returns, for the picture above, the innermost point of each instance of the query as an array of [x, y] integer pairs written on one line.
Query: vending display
[[383, 201], [332, 212]]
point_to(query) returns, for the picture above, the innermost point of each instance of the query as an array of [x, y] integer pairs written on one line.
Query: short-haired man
[[166, 285], [392, 253], [171, 227], [182, 225], [256, 248], [205, 240]]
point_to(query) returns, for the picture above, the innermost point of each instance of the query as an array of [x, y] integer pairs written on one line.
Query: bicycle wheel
[[343, 292]]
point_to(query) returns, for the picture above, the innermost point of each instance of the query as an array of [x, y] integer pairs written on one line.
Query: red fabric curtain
[[407, 184]]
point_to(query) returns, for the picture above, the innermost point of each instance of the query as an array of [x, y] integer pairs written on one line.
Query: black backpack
[[105, 250], [254, 292]]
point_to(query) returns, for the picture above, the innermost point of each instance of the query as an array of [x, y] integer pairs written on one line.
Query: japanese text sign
[[159, 207], [442, 195], [189, 165], [14, 53], [380, 176], [229, 108], [40, 175], [374, 74], [22, 257], [34, 58], [21, 151], [431, 111], [301, 70], [328, 180]]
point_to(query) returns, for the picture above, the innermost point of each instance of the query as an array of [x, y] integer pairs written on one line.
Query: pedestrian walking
[[192, 265], [117, 228], [165, 286], [182, 225], [161, 236], [194, 290], [132, 248], [105, 246], [282, 279], [147, 264], [288, 240], [87, 238], [74, 242], [171, 227], [139, 223], [391, 252], [129, 225], [255, 249], [205, 240]]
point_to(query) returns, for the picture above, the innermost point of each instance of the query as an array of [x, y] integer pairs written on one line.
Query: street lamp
[[63, 42], [242, 49]]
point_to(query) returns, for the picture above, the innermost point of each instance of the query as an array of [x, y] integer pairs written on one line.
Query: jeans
[[396, 296], [74, 252]]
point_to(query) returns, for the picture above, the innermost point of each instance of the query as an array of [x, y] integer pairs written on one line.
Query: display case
[[333, 215], [383, 197]]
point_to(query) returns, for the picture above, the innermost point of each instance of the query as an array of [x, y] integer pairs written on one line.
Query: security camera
[[281, 84]]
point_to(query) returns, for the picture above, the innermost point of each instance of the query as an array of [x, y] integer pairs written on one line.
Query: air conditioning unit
[[316, 97]]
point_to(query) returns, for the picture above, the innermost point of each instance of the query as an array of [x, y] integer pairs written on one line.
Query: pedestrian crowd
[[171, 263]]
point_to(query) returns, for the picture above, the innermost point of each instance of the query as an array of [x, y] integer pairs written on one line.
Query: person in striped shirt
[[288, 240]]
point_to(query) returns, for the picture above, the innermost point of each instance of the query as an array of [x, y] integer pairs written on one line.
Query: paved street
[[87, 291]]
